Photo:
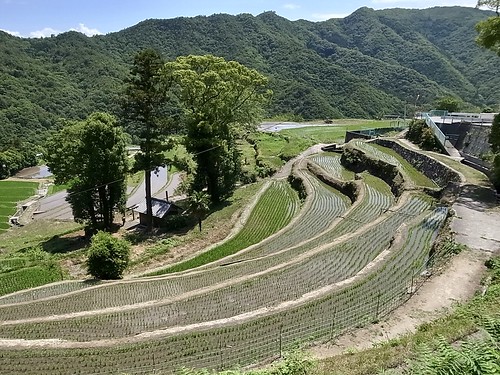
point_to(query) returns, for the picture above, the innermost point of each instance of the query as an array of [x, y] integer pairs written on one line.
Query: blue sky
[[37, 18]]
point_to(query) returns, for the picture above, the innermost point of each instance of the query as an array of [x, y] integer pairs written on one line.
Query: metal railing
[[437, 132]]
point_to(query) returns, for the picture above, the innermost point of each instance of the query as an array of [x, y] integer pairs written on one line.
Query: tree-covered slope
[[365, 65]]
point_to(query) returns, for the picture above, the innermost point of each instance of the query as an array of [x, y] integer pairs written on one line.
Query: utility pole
[[416, 100]]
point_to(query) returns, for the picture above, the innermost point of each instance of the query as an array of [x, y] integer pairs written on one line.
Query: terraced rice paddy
[[335, 266], [391, 157], [273, 211]]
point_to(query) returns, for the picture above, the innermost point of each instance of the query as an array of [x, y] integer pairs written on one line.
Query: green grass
[[276, 148], [53, 189], [472, 175], [416, 176], [35, 233], [12, 192], [274, 210], [26, 258], [135, 179], [336, 132]]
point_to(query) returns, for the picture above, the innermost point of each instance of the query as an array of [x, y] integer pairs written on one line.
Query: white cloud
[[425, 3], [48, 31], [87, 30], [45, 32], [291, 6], [327, 16], [15, 33]]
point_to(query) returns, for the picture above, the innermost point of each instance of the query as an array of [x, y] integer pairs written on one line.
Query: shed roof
[[161, 207]]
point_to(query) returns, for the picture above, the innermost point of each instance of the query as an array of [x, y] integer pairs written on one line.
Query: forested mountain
[[365, 65]]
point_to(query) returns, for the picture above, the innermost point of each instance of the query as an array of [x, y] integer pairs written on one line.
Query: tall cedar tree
[[220, 100], [144, 111], [90, 157]]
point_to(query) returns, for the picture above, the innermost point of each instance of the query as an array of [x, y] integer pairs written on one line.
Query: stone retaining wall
[[436, 171], [358, 161]]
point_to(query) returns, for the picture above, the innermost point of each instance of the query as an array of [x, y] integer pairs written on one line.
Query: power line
[[119, 180]]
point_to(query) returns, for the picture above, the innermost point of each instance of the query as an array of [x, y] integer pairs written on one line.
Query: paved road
[[171, 187], [56, 207], [158, 182]]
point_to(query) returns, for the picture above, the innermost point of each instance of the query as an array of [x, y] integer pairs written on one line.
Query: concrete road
[[56, 207], [158, 182]]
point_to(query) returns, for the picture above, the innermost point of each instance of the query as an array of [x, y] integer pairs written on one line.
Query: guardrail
[[437, 132]]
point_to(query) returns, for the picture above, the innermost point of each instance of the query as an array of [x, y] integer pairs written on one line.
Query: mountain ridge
[[370, 63]]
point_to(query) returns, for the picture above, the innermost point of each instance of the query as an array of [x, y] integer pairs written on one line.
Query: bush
[[420, 134], [108, 256]]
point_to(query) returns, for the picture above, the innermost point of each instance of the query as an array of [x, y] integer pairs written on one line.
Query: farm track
[[369, 251]]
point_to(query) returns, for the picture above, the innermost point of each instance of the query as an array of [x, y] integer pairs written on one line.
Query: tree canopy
[[371, 62], [448, 103], [108, 256], [90, 157], [221, 99], [489, 29]]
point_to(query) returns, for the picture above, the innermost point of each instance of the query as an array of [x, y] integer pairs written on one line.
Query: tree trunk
[[149, 204], [106, 212]]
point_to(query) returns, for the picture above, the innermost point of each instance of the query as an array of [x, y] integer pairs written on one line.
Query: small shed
[[161, 209]]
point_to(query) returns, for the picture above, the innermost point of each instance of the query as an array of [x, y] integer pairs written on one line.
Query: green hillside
[[366, 65]]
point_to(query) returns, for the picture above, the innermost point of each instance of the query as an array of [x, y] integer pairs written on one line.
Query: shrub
[[108, 256]]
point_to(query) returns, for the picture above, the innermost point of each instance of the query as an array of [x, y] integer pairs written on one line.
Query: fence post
[[412, 290], [220, 355], [378, 306], [281, 340], [332, 325]]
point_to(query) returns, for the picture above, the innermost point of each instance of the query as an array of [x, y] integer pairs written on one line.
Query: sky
[[42, 18]]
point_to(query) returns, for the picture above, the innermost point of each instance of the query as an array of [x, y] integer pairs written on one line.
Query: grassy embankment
[[23, 262]]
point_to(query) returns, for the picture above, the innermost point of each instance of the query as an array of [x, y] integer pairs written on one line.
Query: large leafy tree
[[146, 113], [90, 157], [489, 29], [448, 103], [221, 99]]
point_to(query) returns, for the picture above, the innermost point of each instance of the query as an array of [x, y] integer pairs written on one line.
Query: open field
[[286, 277], [273, 149]]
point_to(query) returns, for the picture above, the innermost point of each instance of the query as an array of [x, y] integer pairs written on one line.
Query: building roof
[[161, 207]]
